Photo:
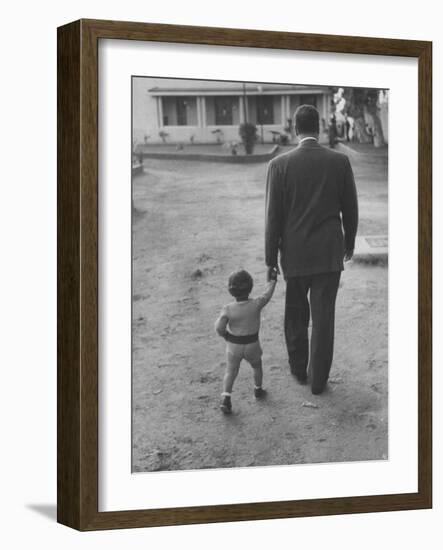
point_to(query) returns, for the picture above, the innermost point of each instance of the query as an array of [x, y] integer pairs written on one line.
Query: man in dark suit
[[311, 219]]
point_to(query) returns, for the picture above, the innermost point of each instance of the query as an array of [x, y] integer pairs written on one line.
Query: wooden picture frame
[[77, 455]]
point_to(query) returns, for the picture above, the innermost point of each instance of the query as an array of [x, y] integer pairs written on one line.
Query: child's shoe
[[226, 405], [260, 393]]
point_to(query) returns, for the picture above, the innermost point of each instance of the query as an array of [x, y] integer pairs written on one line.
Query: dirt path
[[191, 216]]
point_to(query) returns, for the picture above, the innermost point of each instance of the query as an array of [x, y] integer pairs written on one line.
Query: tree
[[361, 105]]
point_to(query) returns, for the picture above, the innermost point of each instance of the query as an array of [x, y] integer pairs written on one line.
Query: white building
[[199, 111]]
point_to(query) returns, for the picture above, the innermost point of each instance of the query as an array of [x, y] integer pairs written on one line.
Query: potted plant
[[218, 134], [163, 135], [234, 147], [248, 134]]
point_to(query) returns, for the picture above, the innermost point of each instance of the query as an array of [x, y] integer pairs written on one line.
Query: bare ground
[[193, 224]]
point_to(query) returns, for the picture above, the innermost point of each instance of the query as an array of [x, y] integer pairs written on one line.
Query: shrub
[[248, 134]]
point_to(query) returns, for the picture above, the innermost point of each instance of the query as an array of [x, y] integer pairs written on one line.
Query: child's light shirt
[[243, 318]]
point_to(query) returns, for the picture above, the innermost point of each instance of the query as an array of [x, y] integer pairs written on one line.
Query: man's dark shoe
[[301, 377], [226, 405], [317, 391], [260, 393]]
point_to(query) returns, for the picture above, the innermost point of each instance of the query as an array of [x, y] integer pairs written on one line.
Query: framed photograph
[[244, 275]]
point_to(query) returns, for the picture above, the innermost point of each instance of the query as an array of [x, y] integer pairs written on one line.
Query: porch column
[[283, 110], [203, 112], [199, 112], [160, 112], [241, 110]]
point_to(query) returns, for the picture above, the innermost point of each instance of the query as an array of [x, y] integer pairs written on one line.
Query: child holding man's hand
[[239, 325]]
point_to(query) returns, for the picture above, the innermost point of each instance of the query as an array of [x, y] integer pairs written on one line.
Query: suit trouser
[[322, 288]]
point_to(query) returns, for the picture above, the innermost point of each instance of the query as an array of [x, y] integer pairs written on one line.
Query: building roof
[[235, 88]]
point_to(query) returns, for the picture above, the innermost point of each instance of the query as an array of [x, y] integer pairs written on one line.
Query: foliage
[[248, 134], [234, 147], [289, 127], [219, 134], [362, 106]]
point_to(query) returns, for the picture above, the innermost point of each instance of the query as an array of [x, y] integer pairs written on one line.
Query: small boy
[[242, 317]]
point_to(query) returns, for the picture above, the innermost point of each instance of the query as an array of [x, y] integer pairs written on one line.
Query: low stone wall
[[211, 157], [347, 150], [137, 169], [371, 249]]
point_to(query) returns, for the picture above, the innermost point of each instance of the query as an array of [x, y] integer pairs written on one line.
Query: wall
[[146, 114], [145, 121], [28, 276], [143, 112]]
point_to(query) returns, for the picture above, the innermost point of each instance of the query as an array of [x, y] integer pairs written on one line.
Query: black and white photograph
[[259, 274]]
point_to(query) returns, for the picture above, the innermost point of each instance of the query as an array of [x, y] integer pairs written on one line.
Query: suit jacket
[[311, 210]]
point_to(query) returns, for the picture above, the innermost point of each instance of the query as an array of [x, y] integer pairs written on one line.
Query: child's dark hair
[[240, 283]]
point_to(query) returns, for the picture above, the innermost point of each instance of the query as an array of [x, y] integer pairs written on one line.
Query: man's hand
[[348, 254], [272, 273]]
